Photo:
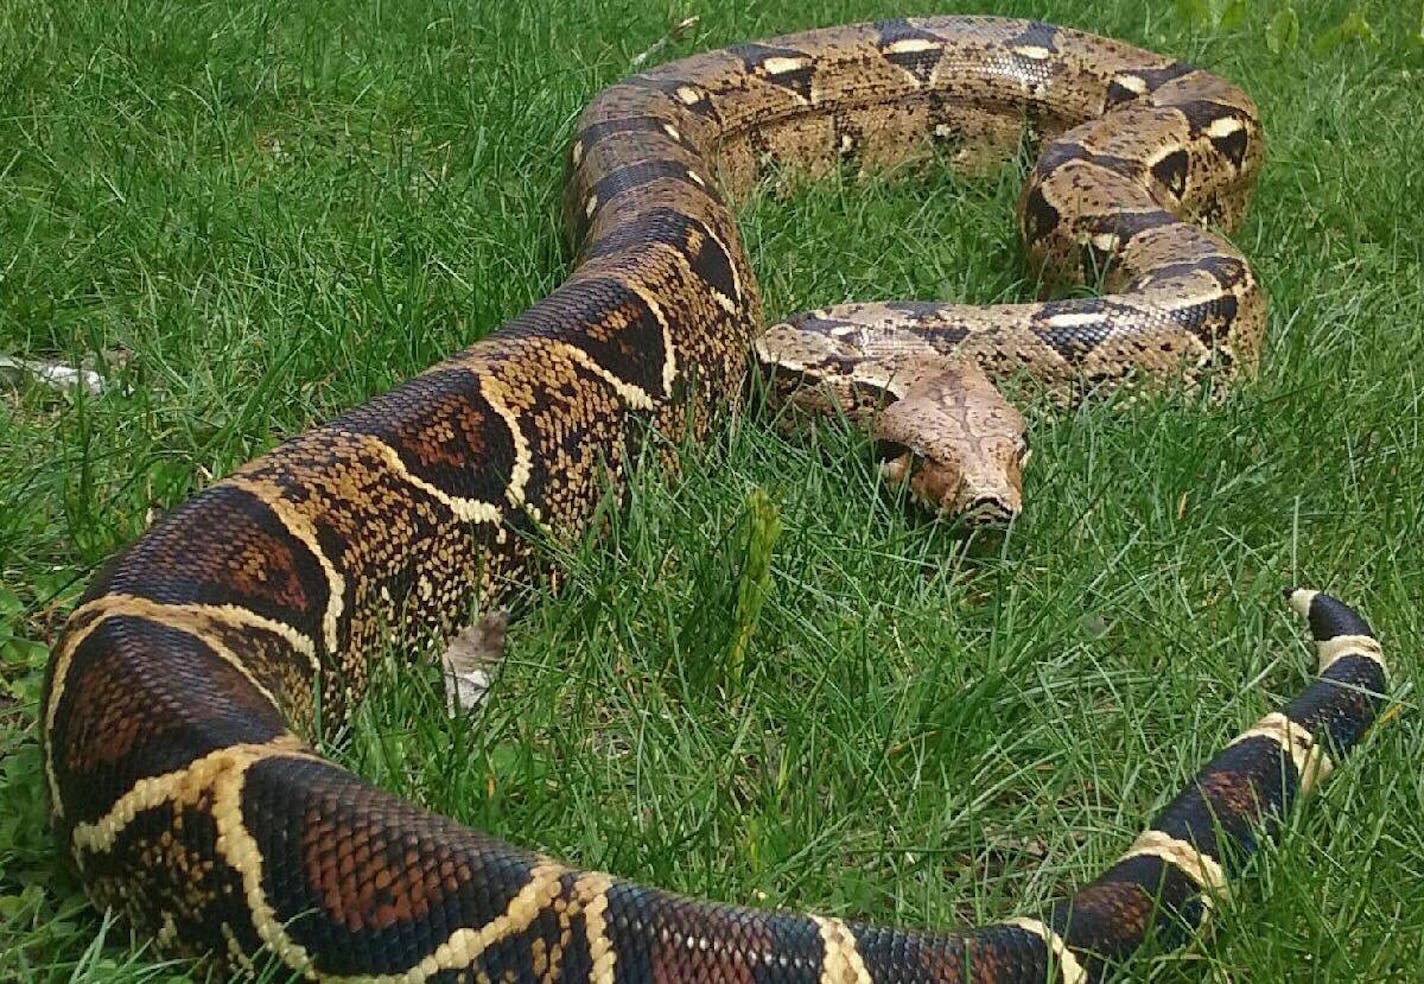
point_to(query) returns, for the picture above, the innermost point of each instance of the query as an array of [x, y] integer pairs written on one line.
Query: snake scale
[[179, 693]]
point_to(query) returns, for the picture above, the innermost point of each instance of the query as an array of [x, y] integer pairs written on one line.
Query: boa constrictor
[[179, 692]]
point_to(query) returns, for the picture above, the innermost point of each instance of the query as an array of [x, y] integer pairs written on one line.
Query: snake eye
[[1023, 451]]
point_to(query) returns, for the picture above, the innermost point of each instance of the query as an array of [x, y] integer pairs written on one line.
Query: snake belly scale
[[182, 692]]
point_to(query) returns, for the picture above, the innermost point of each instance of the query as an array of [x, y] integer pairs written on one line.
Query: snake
[[183, 694]]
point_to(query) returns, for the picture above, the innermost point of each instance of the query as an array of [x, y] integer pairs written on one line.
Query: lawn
[[246, 217]]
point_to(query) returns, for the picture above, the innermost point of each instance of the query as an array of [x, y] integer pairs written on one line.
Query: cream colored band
[[1070, 971], [1300, 600], [1312, 765], [1333, 650], [1204, 871], [841, 962]]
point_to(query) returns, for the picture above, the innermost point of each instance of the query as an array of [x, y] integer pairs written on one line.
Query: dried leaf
[[471, 659]]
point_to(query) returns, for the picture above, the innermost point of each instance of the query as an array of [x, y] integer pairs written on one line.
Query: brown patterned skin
[[178, 697]]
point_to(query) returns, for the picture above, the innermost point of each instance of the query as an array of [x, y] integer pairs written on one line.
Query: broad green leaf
[[1283, 33], [1353, 28], [1232, 15]]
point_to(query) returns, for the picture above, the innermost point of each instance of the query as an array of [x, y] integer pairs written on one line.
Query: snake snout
[[989, 510]]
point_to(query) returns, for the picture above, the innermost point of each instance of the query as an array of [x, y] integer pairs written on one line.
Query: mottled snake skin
[[189, 678]]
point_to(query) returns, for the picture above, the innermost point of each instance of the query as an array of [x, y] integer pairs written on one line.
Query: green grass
[[251, 215]]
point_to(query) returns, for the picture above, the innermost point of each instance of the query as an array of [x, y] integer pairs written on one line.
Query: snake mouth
[[941, 490], [988, 510]]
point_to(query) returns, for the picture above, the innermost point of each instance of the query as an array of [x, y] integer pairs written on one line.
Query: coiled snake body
[[178, 694]]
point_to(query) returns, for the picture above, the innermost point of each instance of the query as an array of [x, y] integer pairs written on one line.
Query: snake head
[[958, 444]]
